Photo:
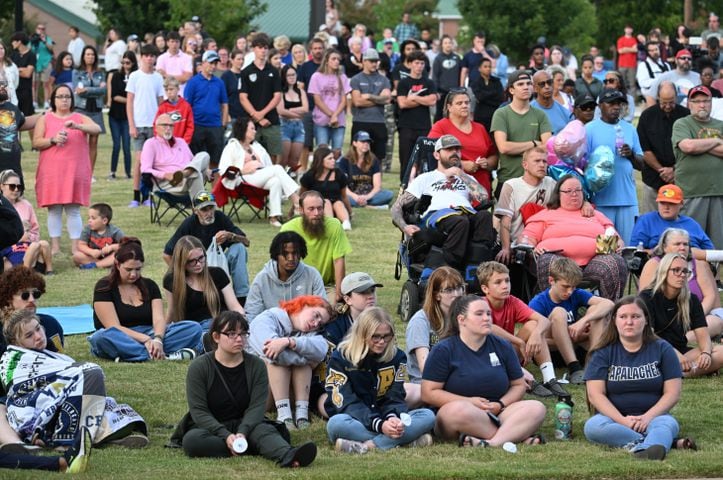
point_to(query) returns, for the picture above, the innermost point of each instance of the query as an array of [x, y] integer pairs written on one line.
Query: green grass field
[[156, 390]]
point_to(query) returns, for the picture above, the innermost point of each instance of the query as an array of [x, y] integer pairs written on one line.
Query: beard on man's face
[[315, 227]]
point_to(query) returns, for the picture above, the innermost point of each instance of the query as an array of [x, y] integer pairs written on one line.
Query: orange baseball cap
[[670, 193]]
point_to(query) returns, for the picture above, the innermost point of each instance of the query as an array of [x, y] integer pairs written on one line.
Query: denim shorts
[[292, 131]]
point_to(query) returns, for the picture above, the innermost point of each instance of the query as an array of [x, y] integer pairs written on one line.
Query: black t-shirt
[[196, 308], [352, 65], [205, 233], [329, 189], [306, 70], [128, 315], [663, 310], [118, 87], [260, 86], [655, 130], [12, 120], [418, 117], [220, 405], [22, 61]]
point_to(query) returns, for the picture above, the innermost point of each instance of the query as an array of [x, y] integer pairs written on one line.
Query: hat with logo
[[358, 282], [610, 95], [362, 136], [670, 194], [210, 56], [132, 37], [370, 54], [584, 99], [700, 89], [446, 141], [204, 199]]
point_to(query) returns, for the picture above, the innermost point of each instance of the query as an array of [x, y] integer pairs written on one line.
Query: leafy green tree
[[515, 30], [132, 16], [643, 15], [378, 15], [222, 19]]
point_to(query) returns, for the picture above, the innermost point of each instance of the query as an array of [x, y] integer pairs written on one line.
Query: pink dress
[[63, 175]]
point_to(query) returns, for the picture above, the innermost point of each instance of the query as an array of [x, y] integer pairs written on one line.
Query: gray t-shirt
[[373, 84], [419, 334]]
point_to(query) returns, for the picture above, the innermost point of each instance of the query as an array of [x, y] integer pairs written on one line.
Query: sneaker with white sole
[[425, 440], [350, 446], [78, 454], [182, 354]]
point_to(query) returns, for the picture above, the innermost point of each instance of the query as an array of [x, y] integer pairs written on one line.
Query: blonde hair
[[563, 268], [355, 346], [178, 272], [13, 324], [683, 300], [487, 269]]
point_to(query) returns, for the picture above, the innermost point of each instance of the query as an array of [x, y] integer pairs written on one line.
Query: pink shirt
[[27, 214], [175, 65], [159, 157], [327, 86], [568, 231]]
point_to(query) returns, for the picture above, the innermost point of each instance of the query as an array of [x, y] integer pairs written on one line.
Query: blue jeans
[[119, 134], [382, 197], [112, 343], [237, 257], [292, 131], [334, 137], [661, 431], [347, 427]]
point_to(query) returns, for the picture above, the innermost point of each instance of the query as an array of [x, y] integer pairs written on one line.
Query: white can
[[240, 445]]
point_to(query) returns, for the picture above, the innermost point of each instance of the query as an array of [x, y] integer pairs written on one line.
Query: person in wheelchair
[[451, 203]]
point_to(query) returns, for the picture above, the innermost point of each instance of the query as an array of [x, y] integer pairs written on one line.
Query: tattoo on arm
[[397, 211]]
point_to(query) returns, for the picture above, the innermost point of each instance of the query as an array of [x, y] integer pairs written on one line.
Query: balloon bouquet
[[567, 154]]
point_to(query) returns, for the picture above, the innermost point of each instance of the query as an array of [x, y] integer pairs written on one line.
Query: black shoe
[[555, 387], [300, 456], [655, 452], [539, 390]]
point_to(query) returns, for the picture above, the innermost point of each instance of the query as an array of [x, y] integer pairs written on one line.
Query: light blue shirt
[[558, 115]]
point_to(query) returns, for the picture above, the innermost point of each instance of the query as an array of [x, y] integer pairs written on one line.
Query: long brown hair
[[130, 249], [611, 335], [441, 278], [178, 271]]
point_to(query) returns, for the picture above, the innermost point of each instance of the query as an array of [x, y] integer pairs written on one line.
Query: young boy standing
[[99, 239], [561, 303], [178, 109], [530, 341]]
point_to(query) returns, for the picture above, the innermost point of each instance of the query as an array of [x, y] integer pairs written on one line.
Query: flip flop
[[536, 439], [684, 443], [465, 440]]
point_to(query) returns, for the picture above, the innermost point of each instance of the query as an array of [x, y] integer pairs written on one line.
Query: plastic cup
[[240, 445], [509, 447], [406, 419]]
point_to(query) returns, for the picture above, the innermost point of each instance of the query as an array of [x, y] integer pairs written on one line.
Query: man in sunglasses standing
[[683, 77], [13, 122], [558, 115]]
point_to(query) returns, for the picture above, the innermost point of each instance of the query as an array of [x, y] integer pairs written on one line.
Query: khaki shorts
[[44, 75], [270, 138]]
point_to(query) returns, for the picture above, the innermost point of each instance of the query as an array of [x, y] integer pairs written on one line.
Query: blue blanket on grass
[[74, 320]]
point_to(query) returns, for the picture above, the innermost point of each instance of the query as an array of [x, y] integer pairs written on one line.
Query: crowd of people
[[198, 119]]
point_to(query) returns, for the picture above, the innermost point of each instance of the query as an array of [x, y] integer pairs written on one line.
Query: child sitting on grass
[[530, 341], [31, 253], [561, 303], [99, 239]]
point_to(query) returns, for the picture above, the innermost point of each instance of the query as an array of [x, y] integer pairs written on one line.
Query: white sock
[[283, 409], [302, 409], [548, 372]]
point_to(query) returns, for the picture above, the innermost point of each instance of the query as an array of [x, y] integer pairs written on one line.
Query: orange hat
[[670, 193]]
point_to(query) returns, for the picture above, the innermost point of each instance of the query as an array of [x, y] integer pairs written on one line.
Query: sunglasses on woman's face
[[36, 294], [13, 186]]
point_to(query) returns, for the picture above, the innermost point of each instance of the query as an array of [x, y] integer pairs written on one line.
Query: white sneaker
[[346, 225], [182, 354]]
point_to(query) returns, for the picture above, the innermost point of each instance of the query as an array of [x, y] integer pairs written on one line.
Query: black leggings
[[263, 440]]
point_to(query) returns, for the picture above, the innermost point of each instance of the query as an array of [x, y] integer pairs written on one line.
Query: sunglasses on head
[[26, 294], [205, 197]]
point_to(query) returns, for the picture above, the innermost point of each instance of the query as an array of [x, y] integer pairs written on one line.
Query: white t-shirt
[[113, 55], [146, 87], [515, 193], [446, 192]]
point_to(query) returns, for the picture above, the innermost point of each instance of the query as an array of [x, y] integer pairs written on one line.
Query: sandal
[[536, 439], [684, 443], [465, 440]]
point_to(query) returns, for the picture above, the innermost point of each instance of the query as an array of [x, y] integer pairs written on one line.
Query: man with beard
[[284, 277], [169, 160], [683, 77], [558, 115], [648, 70], [698, 146], [451, 209], [12, 122], [326, 242], [655, 128], [619, 200], [208, 223]]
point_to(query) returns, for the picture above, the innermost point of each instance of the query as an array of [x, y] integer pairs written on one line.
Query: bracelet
[[707, 353], [52, 141], [159, 337], [502, 404], [156, 339], [534, 143]]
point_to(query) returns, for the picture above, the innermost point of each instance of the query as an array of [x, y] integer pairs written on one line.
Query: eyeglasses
[[610, 80], [14, 186], [192, 262], [452, 290], [572, 191], [382, 338], [35, 293], [680, 272], [164, 125], [235, 335], [63, 97], [545, 82], [699, 102], [686, 59], [587, 108]]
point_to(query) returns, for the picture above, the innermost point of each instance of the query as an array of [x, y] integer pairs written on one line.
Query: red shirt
[[627, 60], [513, 311], [182, 117], [476, 143]]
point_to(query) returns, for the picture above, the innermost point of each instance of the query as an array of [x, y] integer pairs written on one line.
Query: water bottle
[[619, 139], [563, 418], [641, 247]]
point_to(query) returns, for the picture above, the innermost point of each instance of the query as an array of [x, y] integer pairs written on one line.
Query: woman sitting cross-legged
[[326, 178], [51, 397], [226, 392], [288, 339], [675, 312], [364, 173], [633, 380], [475, 380], [128, 315], [365, 391]]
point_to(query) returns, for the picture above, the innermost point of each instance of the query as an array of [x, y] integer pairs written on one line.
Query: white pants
[[274, 179], [74, 222]]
